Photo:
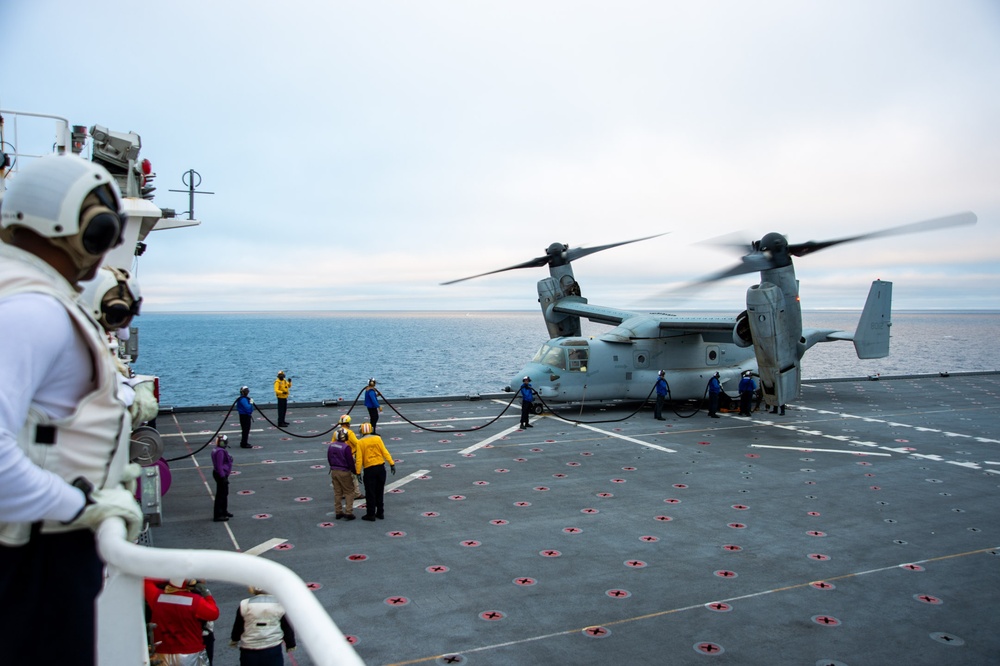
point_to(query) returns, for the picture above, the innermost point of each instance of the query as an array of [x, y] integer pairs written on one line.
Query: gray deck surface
[[863, 527]]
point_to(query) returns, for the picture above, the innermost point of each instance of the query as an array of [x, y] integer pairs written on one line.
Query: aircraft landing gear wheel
[[537, 409]]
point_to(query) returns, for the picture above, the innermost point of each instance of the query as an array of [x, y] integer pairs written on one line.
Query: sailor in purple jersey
[[222, 467]]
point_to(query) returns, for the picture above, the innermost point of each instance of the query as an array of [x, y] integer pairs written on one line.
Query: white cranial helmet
[[46, 196], [71, 201], [112, 297]]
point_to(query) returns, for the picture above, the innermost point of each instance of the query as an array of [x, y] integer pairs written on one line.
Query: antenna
[[189, 179]]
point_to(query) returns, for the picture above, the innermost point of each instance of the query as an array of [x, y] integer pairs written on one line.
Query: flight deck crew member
[[661, 396], [371, 458], [746, 392], [281, 387], [345, 424], [714, 389], [260, 627], [371, 402], [178, 611], [222, 467], [64, 428], [244, 406], [527, 402], [341, 460]]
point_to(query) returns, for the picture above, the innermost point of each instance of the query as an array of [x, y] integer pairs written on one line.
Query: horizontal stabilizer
[[871, 339]]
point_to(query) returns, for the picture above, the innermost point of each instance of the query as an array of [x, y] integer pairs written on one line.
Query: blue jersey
[[526, 394], [661, 386], [714, 386], [243, 405], [371, 398], [746, 385]]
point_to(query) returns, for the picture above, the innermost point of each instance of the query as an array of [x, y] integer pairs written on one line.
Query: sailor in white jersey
[[63, 427]]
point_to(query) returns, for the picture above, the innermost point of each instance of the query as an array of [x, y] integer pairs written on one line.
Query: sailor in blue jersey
[[747, 388], [244, 405], [714, 389], [371, 402], [661, 396], [527, 402]]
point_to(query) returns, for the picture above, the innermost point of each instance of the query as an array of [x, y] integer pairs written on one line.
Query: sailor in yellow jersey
[[371, 457], [281, 387]]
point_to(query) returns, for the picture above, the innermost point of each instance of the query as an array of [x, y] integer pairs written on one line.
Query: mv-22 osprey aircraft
[[767, 338]]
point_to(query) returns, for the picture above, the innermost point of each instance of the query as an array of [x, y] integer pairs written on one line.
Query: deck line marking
[[204, 432], [627, 439], [406, 479], [815, 450], [396, 484], [263, 547], [856, 442], [686, 608], [201, 473], [490, 440]]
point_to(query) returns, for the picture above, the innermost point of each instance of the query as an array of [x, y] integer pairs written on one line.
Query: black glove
[[200, 588], [392, 468]]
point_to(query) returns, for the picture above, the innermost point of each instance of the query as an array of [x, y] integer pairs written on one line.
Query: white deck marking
[[490, 440], [912, 454], [263, 547], [396, 484], [815, 450], [185, 435], [406, 479], [627, 439]]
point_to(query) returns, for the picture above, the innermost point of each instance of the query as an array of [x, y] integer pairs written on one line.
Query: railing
[[121, 626]]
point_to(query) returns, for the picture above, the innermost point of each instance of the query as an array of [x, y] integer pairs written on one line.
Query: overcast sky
[[363, 152]]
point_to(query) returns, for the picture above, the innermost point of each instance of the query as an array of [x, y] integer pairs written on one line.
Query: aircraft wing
[[596, 313], [630, 325]]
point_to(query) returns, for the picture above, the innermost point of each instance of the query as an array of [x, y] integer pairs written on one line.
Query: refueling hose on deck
[[439, 430]]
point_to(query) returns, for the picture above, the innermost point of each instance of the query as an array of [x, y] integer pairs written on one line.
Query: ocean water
[[203, 358]]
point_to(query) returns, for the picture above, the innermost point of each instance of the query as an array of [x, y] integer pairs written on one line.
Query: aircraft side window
[[578, 360]]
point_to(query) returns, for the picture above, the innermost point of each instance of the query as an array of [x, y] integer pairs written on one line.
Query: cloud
[[361, 154]]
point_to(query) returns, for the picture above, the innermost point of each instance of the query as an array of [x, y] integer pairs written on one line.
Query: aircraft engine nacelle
[[775, 341], [550, 292], [742, 335]]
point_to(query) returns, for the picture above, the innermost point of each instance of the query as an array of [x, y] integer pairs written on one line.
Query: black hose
[[210, 439], [473, 429]]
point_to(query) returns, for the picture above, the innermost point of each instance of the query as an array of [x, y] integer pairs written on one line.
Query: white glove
[[144, 406], [130, 473], [108, 503]]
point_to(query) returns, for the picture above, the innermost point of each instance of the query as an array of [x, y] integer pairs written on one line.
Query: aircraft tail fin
[[871, 339]]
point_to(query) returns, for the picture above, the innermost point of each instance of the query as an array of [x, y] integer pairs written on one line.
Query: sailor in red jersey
[[178, 610]]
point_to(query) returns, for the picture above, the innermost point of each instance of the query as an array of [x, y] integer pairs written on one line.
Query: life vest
[[93, 441], [261, 622]]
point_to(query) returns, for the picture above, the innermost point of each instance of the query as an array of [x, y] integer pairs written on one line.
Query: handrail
[[321, 637]]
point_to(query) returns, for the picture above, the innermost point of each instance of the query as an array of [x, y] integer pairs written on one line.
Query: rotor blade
[[751, 263], [534, 263], [571, 255], [959, 219], [578, 252], [736, 241]]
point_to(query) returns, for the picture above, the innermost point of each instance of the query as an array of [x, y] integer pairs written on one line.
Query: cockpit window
[[551, 356]]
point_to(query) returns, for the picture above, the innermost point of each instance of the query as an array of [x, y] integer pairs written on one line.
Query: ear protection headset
[[101, 226], [119, 305]]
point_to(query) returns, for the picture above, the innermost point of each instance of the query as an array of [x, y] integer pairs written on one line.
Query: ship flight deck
[[859, 528]]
